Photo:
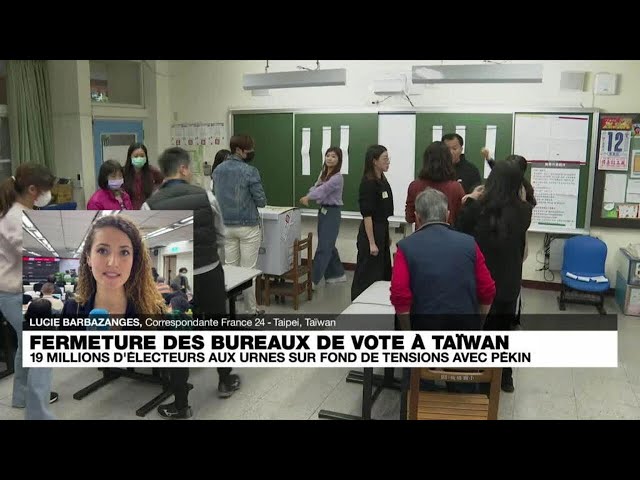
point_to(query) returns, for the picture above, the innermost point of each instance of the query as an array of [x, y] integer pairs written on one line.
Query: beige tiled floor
[[285, 393]]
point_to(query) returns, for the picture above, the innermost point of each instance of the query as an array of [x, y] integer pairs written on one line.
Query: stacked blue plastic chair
[[584, 258], [61, 206]]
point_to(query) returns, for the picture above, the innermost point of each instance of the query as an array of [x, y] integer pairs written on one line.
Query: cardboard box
[[62, 193]]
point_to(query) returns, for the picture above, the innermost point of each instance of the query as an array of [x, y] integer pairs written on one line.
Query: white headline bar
[[320, 349]]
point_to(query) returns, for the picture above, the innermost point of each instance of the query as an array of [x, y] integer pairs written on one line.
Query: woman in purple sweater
[[327, 192], [110, 195]]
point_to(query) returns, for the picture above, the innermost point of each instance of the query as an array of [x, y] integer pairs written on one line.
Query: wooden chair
[[290, 283], [454, 406]]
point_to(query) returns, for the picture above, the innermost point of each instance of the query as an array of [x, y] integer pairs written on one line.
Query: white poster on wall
[[305, 151], [462, 131], [552, 138], [344, 146], [178, 133], [556, 195], [615, 186], [436, 133], [326, 143], [490, 144], [397, 132]]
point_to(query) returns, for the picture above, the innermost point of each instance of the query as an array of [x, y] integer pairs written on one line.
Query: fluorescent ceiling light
[[105, 213], [484, 73], [295, 79], [161, 231]]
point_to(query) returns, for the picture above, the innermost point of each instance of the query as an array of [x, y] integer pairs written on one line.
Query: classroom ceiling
[[65, 230]]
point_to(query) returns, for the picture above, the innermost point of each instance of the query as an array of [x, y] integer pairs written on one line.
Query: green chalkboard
[[363, 132], [475, 133], [279, 143], [273, 134]]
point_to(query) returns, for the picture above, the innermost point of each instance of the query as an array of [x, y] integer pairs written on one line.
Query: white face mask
[[43, 199]]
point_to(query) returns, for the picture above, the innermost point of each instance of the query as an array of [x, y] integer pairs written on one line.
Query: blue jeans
[[31, 386], [326, 262]]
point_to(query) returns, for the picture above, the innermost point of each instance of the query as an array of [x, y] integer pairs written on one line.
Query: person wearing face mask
[[209, 293], [140, 178], [240, 193], [110, 195], [31, 186]]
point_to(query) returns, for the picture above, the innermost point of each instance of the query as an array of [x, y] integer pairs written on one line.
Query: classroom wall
[[69, 264], [73, 113], [184, 258], [205, 90], [154, 259]]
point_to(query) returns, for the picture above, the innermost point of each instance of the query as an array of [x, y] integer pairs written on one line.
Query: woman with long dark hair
[[376, 206], [30, 186], [437, 172], [327, 192], [499, 220], [140, 178]]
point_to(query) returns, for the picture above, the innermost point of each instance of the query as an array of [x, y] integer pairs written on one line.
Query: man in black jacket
[[466, 172], [209, 294]]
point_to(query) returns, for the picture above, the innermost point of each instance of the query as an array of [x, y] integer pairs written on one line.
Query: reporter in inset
[[115, 273]]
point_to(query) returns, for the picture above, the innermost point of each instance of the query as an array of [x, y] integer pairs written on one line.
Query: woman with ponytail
[[30, 186]]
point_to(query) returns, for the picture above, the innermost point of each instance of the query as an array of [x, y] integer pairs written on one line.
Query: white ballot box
[[280, 228]]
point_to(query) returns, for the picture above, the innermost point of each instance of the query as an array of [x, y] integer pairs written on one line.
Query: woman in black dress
[[376, 206]]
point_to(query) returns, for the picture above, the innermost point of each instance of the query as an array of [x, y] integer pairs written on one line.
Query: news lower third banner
[[446, 349]]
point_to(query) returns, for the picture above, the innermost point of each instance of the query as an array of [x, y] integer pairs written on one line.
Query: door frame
[[166, 263], [114, 126]]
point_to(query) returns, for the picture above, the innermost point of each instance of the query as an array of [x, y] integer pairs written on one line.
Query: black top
[[528, 188], [375, 199], [467, 174], [179, 195], [72, 309], [503, 254]]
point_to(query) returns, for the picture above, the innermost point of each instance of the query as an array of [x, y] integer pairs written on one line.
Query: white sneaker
[[341, 279]]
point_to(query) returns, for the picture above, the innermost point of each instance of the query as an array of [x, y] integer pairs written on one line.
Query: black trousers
[[502, 316], [369, 268], [210, 301]]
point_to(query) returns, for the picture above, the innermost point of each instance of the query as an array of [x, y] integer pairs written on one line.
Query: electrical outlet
[[556, 254]]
